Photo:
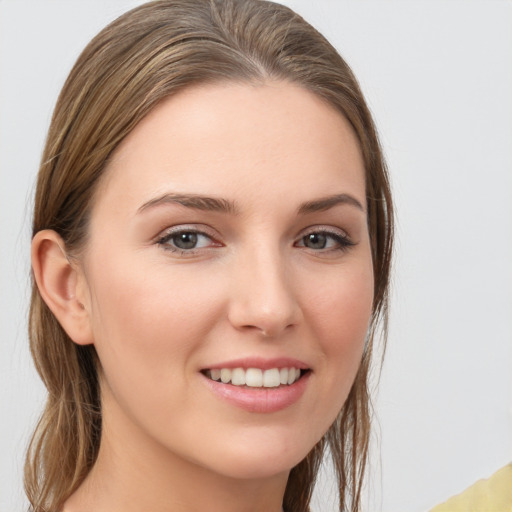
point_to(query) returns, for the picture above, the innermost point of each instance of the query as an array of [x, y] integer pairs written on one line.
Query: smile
[[258, 385], [255, 377]]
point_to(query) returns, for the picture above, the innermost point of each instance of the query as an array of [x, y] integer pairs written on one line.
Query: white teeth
[[238, 377], [271, 378], [225, 375], [256, 377]]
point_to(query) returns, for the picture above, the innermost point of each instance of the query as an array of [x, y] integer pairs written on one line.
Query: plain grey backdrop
[[438, 78]]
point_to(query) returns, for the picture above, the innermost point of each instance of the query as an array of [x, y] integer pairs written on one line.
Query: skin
[[255, 286]]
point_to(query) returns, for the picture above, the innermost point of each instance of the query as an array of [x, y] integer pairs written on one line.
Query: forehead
[[238, 139]]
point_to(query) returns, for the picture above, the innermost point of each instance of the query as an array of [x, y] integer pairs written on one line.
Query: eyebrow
[[194, 201], [215, 204], [325, 203]]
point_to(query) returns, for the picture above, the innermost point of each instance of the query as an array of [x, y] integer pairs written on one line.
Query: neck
[[133, 472]]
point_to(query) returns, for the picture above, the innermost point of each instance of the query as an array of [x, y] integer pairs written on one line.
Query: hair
[[141, 58]]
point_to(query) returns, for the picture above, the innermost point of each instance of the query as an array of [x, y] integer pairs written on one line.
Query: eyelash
[[164, 240], [343, 242]]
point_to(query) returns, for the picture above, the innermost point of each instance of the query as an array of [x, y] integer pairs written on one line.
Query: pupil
[[185, 240], [316, 241]]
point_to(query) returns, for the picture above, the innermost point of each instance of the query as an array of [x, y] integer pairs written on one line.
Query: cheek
[[341, 308], [141, 297], [146, 322], [339, 316], [149, 325]]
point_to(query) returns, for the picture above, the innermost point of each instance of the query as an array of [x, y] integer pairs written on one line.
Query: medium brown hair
[[146, 55]]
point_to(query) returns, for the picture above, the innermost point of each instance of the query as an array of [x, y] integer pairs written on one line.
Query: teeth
[[255, 377], [271, 378], [238, 377], [225, 375]]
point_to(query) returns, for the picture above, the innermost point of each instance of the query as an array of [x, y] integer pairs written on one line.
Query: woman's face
[[229, 240]]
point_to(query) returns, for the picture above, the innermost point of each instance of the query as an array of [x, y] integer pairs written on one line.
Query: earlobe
[[58, 282]]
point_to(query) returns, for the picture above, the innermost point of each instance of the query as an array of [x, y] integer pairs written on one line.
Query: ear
[[61, 285]]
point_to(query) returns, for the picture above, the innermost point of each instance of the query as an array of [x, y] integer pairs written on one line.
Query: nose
[[263, 299]]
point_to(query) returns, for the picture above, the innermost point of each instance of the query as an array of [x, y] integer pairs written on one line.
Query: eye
[[323, 240], [186, 240]]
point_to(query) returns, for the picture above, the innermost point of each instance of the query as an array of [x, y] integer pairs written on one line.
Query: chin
[[261, 458], [257, 468]]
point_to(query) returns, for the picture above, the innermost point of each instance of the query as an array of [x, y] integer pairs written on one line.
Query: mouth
[[259, 385], [253, 378]]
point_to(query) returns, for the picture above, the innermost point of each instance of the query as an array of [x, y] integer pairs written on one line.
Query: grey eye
[[324, 241], [315, 240], [185, 240]]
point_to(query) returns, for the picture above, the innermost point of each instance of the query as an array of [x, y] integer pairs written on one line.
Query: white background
[[438, 78]]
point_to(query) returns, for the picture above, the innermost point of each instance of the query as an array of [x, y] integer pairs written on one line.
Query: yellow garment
[[493, 494]]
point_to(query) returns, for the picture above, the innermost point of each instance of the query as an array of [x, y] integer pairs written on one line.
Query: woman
[[211, 250]]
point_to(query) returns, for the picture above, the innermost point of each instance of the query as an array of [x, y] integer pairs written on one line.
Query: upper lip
[[260, 362]]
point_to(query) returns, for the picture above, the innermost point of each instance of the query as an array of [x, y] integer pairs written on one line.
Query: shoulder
[[493, 494]]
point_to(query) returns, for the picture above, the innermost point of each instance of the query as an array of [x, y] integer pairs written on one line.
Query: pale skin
[[278, 265]]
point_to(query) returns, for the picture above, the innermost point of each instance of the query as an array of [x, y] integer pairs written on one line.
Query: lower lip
[[260, 400]]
